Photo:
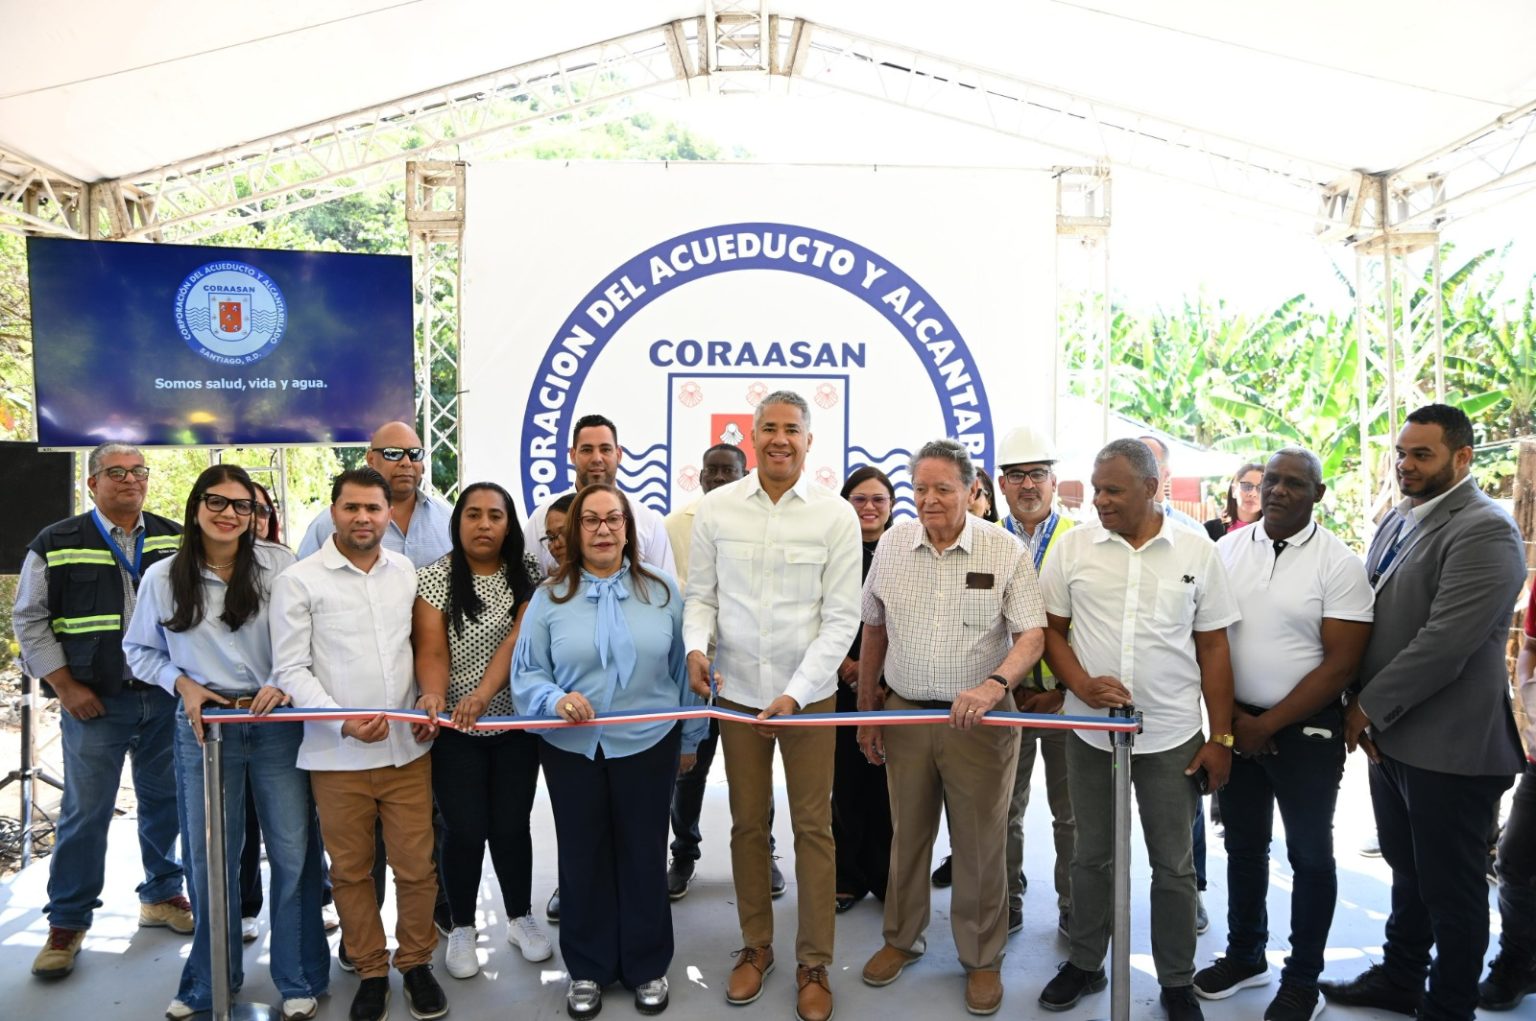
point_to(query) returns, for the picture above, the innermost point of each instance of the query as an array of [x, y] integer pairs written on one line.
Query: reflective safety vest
[[1040, 677], [85, 594]]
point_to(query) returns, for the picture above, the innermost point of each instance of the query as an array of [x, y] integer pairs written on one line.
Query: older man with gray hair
[[953, 619], [1138, 609], [76, 597]]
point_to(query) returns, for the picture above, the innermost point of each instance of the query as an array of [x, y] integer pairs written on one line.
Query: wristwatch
[[1225, 740], [1000, 679]]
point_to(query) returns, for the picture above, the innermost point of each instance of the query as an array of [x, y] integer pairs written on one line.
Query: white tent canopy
[[110, 91]]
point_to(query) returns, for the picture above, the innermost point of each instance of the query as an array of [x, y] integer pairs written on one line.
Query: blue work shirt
[[557, 653], [232, 662], [428, 540]]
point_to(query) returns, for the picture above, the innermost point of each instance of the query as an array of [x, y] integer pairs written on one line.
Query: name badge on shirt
[[978, 579]]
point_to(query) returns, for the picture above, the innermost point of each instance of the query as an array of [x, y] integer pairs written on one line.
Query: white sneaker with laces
[[300, 1008], [461, 959], [525, 934], [179, 1011], [247, 929], [329, 918]]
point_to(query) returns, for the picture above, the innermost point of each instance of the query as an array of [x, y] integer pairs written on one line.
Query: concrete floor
[[127, 972]]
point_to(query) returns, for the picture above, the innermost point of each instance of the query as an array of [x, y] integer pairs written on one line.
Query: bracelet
[[1000, 679]]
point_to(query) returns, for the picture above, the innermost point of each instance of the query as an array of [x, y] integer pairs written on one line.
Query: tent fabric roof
[[111, 90]]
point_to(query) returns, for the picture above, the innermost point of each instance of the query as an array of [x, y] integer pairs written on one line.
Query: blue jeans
[[259, 757], [1303, 779], [139, 724]]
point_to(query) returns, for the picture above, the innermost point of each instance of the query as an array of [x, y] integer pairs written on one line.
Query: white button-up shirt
[[777, 586], [342, 638], [427, 541], [1283, 599], [655, 548], [1134, 613], [950, 615]]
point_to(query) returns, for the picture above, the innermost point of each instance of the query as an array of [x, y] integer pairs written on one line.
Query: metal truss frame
[[434, 216], [737, 45], [1083, 309]]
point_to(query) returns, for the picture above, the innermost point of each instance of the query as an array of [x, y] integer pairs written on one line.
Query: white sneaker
[[525, 934], [247, 929], [179, 1011], [329, 918], [300, 1008], [461, 959]]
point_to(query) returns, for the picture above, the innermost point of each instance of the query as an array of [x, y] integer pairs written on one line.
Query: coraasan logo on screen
[[230, 312]]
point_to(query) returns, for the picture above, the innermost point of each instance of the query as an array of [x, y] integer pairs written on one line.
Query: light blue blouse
[[576, 646]]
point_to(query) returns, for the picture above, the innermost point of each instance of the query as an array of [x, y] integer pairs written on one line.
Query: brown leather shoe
[[815, 1001], [983, 991], [887, 965], [746, 982]]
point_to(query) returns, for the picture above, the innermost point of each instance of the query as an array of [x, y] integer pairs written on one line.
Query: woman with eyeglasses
[[983, 502], [555, 520], [861, 806], [605, 634], [464, 626], [200, 631], [1244, 505]]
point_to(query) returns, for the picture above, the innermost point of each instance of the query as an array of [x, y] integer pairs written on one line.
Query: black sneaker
[[1227, 976], [552, 909], [1015, 919], [679, 878], [1292, 1003], [422, 993], [944, 874], [776, 885], [1509, 981], [372, 1000], [342, 958], [1070, 985], [1372, 988], [1181, 1004]]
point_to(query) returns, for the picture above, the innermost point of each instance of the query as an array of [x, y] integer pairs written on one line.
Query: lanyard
[[1047, 530], [117, 551]]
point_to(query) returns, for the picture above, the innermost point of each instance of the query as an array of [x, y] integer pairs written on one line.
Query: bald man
[[418, 525]]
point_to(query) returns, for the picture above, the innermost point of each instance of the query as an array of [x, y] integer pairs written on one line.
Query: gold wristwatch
[[1225, 740]]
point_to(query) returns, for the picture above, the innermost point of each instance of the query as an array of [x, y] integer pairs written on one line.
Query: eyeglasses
[[218, 504], [549, 539], [1248, 487], [614, 521], [117, 473], [1039, 476], [263, 510], [396, 453], [860, 500]]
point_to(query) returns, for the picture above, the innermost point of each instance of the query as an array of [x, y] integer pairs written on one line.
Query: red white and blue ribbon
[[883, 718]]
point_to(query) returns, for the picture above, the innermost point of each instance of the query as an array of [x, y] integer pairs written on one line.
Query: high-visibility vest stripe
[[61, 557], [160, 542], [86, 625]]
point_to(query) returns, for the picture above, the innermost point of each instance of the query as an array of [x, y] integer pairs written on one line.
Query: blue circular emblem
[[230, 312]]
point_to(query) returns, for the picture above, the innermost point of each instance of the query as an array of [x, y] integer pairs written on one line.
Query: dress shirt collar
[[1416, 514], [1164, 534], [114, 527], [752, 485], [962, 542], [334, 559]]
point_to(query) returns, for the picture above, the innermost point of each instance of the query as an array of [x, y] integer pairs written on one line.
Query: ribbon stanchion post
[[218, 884], [1120, 918]]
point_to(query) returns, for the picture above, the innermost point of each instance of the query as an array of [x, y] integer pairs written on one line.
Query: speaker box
[[38, 490]]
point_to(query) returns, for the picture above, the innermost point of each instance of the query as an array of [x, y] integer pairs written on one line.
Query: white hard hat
[[1026, 445]]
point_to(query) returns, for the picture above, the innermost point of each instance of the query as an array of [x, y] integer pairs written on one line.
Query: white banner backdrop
[[904, 303]]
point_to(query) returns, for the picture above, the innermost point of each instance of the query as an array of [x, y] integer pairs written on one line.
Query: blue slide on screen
[[193, 345]]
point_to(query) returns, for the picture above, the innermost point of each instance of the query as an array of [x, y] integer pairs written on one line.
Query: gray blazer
[[1435, 684]]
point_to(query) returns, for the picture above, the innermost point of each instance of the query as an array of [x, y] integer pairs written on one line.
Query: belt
[[930, 703], [236, 701], [134, 684]]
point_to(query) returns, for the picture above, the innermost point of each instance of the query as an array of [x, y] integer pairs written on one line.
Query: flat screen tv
[[184, 345]]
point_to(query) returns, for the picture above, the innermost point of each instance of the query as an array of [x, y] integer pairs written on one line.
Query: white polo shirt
[[1134, 613], [1284, 598]]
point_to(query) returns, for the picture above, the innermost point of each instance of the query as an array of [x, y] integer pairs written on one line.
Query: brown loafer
[[983, 991], [887, 965], [746, 982], [815, 1000]]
